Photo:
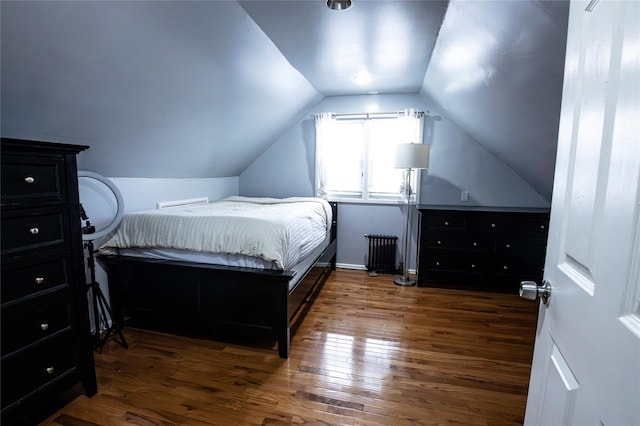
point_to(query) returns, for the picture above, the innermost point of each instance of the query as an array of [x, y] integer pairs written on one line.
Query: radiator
[[382, 254]]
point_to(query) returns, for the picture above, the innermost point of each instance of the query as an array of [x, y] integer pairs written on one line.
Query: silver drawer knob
[[39, 280], [34, 231], [473, 265], [439, 242], [50, 370], [446, 224], [505, 267], [507, 245], [29, 179], [475, 244], [44, 326], [493, 225]]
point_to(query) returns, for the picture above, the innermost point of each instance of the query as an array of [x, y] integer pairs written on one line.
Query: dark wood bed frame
[[204, 299]]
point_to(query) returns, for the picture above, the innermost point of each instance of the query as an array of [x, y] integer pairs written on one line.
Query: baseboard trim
[[351, 266], [363, 267]]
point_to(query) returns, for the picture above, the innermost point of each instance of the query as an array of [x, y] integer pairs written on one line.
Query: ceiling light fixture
[[338, 4], [363, 77]]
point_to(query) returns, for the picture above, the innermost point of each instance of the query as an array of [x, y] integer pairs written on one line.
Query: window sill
[[373, 202]]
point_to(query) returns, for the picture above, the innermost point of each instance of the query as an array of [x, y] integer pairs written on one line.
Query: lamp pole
[[404, 279]]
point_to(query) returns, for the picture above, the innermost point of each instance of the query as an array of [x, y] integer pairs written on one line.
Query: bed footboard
[[202, 299]]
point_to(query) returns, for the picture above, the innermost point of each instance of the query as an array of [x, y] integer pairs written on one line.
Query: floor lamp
[[409, 156]]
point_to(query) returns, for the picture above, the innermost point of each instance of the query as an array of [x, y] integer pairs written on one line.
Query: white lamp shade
[[412, 156]]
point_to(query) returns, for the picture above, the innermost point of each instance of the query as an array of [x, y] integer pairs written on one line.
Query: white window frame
[[364, 196]]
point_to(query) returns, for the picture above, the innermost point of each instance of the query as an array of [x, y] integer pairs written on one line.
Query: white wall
[[144, 193]]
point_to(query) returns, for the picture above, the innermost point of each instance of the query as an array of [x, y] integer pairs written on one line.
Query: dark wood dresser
[[480, 248], [46, 346]]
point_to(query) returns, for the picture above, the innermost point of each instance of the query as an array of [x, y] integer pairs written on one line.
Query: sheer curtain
[[411, 130], [412, 123], [324, 125]]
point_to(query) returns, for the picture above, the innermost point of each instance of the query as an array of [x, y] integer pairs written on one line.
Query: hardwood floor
[[367, 352]]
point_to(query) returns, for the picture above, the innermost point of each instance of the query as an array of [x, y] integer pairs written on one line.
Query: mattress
[[298, 269], [266, 233]]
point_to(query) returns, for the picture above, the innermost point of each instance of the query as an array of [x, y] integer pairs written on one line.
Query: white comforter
[[283, 230]]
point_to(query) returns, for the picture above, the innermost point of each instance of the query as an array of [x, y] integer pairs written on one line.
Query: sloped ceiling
[[500, 80], [157, 89], [200, 89]]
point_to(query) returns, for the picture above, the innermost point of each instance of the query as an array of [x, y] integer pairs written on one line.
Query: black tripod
[[101, 310]]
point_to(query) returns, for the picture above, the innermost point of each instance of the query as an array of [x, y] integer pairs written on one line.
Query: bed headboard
[[185, 202]]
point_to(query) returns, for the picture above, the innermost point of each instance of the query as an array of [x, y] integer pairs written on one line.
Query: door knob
[[531, 290]]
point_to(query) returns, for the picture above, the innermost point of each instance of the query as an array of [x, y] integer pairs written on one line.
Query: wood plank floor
[[367, 352]]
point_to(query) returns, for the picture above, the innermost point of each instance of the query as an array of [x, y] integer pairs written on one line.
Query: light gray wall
[[457, 163], [144, 193]]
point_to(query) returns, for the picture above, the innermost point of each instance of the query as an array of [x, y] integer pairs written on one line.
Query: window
[[355, 155]]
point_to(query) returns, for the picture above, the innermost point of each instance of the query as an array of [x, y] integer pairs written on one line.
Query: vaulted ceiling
[[200, 89]]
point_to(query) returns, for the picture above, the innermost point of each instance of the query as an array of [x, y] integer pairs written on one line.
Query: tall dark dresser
[[46, 346]]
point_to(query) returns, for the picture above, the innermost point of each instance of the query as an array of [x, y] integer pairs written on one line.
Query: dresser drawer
[[456, 242], [469, 262], [33, 229], [520, 247], [536, 227], [40, 322], [32, 180], [518, 265], [496, 224], [445, 220], [512, 224], [31, 278], [36, 367]]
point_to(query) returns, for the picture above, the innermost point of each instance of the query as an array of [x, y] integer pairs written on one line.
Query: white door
[[586, 364]]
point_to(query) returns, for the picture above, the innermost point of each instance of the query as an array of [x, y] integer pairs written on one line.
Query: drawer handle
[[475, 244], [39, 280], [44, 326], [505, 267], [473, 266], [507, 245], [34, 231], [493, 225], [439, 242], [29, 179], [541, 226], [50, 370], [437, 263]]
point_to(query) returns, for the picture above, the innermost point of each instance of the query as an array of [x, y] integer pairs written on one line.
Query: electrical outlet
[[464, 196]]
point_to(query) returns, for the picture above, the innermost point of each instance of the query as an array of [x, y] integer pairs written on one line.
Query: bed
[[213, 269]]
